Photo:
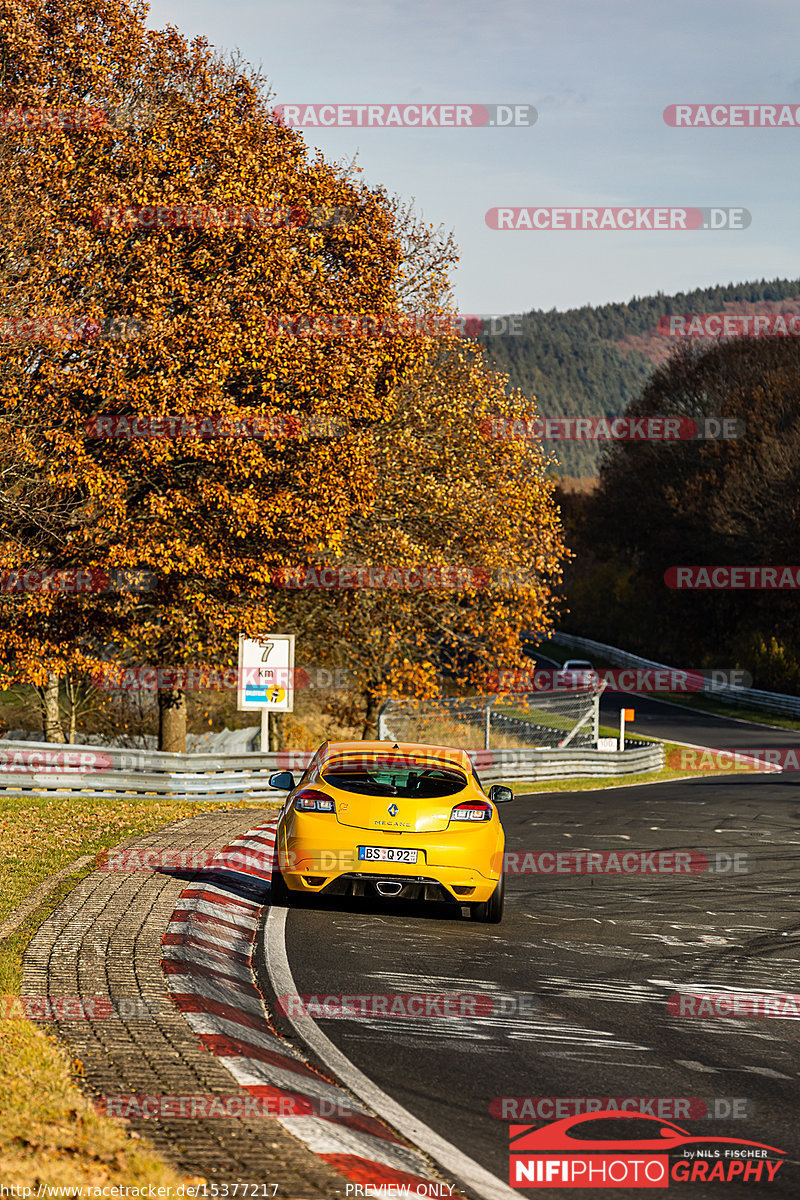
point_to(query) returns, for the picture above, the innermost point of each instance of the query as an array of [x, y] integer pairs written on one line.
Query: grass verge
[[50, 1132], [717, 709], [711, 763]]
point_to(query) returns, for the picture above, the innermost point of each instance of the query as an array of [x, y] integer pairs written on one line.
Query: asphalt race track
[[581, 970]]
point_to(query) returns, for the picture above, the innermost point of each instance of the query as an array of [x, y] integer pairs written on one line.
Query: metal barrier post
[[596, 712]]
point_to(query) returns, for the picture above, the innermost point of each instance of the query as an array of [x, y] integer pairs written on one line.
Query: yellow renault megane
[[391, 819]]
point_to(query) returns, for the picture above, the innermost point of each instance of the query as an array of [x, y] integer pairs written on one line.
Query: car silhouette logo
[[557, 1136], [392, 810]]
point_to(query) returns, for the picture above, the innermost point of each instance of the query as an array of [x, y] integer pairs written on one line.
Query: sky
[[599, 74]]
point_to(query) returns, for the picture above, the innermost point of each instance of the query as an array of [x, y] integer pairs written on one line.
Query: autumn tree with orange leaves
[[459, 558], [211, 519]]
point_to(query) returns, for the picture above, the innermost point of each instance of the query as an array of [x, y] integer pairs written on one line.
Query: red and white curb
[[207, 960]]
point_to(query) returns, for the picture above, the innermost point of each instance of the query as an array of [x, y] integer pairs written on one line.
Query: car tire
[[279, 894], [491, 911]]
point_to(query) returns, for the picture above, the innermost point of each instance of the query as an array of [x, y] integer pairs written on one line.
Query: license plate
[[387, 854]]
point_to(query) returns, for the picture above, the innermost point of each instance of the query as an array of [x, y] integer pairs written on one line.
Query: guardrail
[[28, 767], [500, 766], [777, 702]]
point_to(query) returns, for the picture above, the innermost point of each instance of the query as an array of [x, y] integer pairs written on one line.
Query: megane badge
[[392, 810]]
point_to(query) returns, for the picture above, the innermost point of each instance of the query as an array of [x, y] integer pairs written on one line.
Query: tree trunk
[[370, 731], [172, 721], [51, 716], [72, 689]]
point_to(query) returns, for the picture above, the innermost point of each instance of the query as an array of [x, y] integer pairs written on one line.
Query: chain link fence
[[535, 720]]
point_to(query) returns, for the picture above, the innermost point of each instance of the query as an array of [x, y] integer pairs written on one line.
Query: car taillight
[[310, 800], [473, 810]]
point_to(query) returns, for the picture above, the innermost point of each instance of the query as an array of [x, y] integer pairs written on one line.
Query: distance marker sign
[[266, 673]]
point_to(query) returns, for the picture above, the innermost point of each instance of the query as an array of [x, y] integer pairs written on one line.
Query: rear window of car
[[416, 783]]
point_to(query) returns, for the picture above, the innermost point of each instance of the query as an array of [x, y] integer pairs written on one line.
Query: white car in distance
[[577, 673]]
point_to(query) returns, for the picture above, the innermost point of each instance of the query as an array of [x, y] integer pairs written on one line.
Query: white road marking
[[252, 1072], [209, 958], [449, 1157], [323, 1137], [195, 932], [222, 992], [211, 1023], [246, 922]]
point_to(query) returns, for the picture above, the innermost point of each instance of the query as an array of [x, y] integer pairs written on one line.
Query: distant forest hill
[[591, 362]]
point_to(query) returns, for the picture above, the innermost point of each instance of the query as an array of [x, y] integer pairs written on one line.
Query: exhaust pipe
[[388, 887]]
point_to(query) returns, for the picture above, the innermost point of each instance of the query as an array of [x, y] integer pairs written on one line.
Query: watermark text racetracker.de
[[665, 1108], [75, 581], [401, 578], [133, 113], [732, 116], [611, 429], [193, 679], [431, 1006], [374, 578], [658, 219], [391, 325], [80, 1008], [735, 578], [195, 216], [23, 761], [242, 1106], [759, 758], [622, 679], [55, 327], [130, 860], [773, 1005], [515, 862], [406, 116], [210, 426], [715, 325], [628, 862], [52, 118]]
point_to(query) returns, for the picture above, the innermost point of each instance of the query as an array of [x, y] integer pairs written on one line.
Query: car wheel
[[491, 910]]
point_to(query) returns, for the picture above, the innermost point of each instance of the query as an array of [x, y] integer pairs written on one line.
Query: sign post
[[625, 714], [266, 677]]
